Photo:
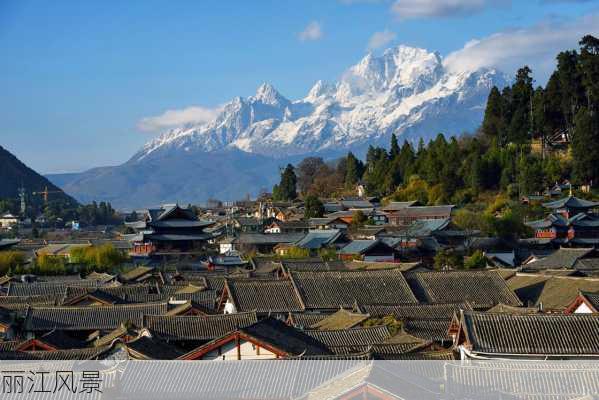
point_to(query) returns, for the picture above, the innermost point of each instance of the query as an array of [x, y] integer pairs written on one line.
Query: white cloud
[[312, 32], [381, 39], [406, 9], [536, 46], [175, 118]]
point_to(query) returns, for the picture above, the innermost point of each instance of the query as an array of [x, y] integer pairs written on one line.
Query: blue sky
[[85, 83]]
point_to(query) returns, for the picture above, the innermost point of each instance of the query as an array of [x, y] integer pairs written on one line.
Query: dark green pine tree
[[519, 127], [538, 112], [352, 170], [287, 189], [406, 160], [313, 207], [449, 175], [571, 85], [552, 106], [589, 68], [476, 178], [394, 149], [493, 120], [394, 176], [377, 162], [585, 152]]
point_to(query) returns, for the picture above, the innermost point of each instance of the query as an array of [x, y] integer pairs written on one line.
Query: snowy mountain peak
[[405, 91], [267, 94], [320, 89], [398, 67]]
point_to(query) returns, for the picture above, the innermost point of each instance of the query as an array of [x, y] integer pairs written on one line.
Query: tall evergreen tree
[[519, 127], [406, 160], [589, 68], [287, 189], [352, 170], [571, 85], [552, 102], [585, 151], [493, 119], [313, 207], [394, 149]]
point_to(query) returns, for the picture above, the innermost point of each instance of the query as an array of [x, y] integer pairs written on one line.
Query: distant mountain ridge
[[406, 91]]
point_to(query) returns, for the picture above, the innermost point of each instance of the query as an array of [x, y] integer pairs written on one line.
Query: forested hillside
[[14, 174]]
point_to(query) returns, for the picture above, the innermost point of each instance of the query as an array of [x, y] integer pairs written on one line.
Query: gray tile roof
[[331, 290], [197, 328], [312, 265], [204, 298], [532, 334], [153, 349], [592, 298], [428, 329], [268, 238], [571, 202], [91, 353], [359, 246], [398, 205], [438, 355], [96, 294], [482, 289], [420, 311], [136, 273], [342, 319], [339, 341], [424, 227], [291, 340], [557, 220], [263, 296], [318, 238], [47, 288], [304, 320], [123, 292], [550, 292], [356, 203], [89, 318], [562, 258], [100, 277], [425, 321], [46, 300]]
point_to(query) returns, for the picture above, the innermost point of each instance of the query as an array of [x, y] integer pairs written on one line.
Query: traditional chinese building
[[571, 221], [169, 230]]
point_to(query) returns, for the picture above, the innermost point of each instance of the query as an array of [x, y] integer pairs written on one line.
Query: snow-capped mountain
[[406, 91]]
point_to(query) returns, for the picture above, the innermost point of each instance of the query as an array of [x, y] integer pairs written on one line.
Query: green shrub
[[98, 258], [10, 260], [476, 260]]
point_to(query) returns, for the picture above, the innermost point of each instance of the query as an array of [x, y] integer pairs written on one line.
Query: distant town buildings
[[362, 281]]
